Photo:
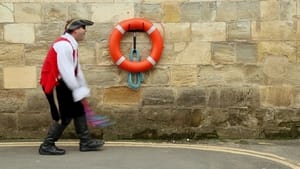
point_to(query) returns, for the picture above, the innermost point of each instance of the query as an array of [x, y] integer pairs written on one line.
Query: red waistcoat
[[49, 72]]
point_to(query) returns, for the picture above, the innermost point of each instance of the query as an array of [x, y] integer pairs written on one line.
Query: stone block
[[282, 95], [28, 12], [177, 32], [191, 97], [158, 96], [191, 11], [48, 32], [54, 12], [1, 33], [19, 33], [35, 53], [288, 9], [286, 49], [152, 12], [246, 52], [214, 31], [223, 53], [6, 12], [275, 75], [254, 74], [238, 31], [226, 11], [33, 122], [270, 10], [273, 30], [79, 10], [241, 97], [183, 75], [103, 76], [13, 80], [195, 53], [248, 10], [171, 12], [87, 53], [111, 12], [11, 54], [36, 101], [159, 76], [8, 123], [121, 96], [12, 101]]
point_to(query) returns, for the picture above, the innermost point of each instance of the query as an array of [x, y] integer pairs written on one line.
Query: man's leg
[[86, 143], [48, 146]]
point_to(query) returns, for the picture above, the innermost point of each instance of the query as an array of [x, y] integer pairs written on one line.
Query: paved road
[[137, 155]]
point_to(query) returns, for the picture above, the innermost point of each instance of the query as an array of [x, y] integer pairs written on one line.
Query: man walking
[[65, 87]]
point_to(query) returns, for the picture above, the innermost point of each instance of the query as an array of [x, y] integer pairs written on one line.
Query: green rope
[[139, 78]]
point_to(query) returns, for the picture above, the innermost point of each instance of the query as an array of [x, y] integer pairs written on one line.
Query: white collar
[[71, 39]]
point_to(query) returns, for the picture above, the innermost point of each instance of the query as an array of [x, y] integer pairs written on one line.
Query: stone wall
[[229, 69]]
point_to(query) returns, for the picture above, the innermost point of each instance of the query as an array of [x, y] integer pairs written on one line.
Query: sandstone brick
[[209, 76], [12, 78], [11, 54], [12, 101], [239, 31], [54, 12], [191, 97], [33, 122], [6, 12], [277, 96], [103, 76], [28, 12], [191, 12], [1, 79], [8, 123], [195, 53], [19, 33], [288, 9], [248, 10], [214, 31], [246, 52], [79, 10], [171, 12], [112, 12], [48, 32], [254, 74], [298, 7], [177, 32], [239, 97], [275, 75], [150, 11], [35, 53], [159, 76], [292, 75], [273, 30], [270, 10], [87, 53], [1, 33], [121, 96], [99, 32], [183, 76], [158, 96], [36, 101], [223, 53], [286, 49], [226, 11]]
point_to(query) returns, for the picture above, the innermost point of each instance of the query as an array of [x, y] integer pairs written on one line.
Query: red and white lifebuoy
[[135, 24]]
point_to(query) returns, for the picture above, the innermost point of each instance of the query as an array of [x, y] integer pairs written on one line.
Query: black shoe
[[91, 145], [50, 149]]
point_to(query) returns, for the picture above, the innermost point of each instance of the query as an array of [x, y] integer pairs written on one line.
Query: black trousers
[[62, 105]]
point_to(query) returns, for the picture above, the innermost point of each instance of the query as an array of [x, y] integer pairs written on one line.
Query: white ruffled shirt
[[67, 65]]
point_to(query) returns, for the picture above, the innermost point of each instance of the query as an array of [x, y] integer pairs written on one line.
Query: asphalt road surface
[[132, 155]]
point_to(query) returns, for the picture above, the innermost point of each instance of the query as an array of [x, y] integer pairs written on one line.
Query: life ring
[[135, 25]]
